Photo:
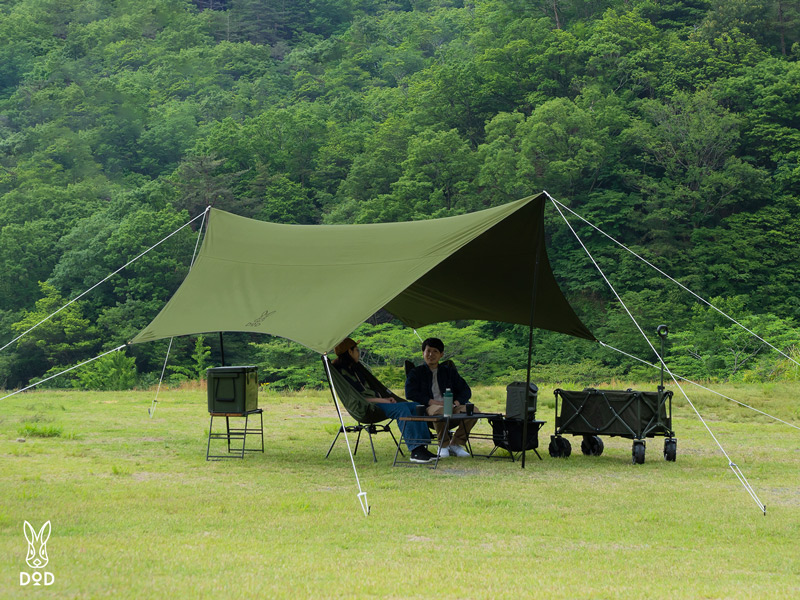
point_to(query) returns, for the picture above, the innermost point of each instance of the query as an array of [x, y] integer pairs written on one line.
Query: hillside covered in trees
[[674, 126]]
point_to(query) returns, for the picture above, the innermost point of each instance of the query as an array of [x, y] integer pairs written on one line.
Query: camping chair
[[367, 415]]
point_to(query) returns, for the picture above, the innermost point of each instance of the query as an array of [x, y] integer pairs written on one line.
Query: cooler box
[[232, 389], [515, 400]]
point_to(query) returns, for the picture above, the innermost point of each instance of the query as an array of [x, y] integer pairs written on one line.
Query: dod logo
[[37, 556]]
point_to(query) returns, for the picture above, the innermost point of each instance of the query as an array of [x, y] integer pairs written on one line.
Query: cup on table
[[470, 408], [420, 410]]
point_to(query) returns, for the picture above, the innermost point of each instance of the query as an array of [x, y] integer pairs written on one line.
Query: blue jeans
[[415, 431]]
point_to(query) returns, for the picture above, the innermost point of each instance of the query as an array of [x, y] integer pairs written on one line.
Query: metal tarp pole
[[530, 352], [362, 495]]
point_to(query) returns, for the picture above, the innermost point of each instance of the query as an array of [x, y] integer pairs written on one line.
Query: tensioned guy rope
[[86, 362], [702, 387], [733, 466], [109, 276], [675, 281], [152, 410]]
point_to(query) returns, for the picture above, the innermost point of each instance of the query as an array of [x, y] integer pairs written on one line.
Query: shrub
[[113, 371]]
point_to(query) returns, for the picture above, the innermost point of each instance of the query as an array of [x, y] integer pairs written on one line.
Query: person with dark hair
[[427, 383], [348, 363]]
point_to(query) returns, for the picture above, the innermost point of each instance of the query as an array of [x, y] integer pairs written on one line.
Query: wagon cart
[[629, 414]]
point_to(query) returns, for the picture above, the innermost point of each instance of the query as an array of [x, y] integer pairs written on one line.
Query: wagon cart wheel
[[638, 452], [566, 447], [554, 448], [592, 445], [670, 449]]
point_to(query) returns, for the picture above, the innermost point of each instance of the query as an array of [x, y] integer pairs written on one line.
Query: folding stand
[[235, 433]]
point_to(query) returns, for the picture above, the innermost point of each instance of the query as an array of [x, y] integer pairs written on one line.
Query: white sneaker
[[444, 452], [458, 451]]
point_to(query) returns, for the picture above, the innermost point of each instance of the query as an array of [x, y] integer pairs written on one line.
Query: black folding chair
[[368, 415]]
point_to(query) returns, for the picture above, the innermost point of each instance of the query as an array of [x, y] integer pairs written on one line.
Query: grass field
[[137, 512]]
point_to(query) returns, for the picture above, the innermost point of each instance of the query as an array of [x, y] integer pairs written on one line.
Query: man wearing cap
[[427, 383], [348, 363]]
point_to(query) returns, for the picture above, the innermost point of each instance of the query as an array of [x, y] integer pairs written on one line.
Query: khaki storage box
[[232, 389]]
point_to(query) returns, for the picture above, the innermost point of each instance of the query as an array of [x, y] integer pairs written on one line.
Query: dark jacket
[[420, 379]]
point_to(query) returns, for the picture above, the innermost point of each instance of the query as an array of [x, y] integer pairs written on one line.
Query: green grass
[[35, 430], [137, 512]]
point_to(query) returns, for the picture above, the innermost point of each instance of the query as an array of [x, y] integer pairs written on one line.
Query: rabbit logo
[[37, 555]]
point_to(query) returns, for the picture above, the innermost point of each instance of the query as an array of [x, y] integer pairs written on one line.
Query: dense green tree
[[62, 339], [674, 14], [558, 149], [498, 177], [285, 201], [756, 254], [670, 124], [625, 54], [715, 348], [695, 177], [437, 175], [26, 257], [783, 24], [283, 364], [201, 182]]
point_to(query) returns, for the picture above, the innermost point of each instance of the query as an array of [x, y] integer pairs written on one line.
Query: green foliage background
[[672, 125]]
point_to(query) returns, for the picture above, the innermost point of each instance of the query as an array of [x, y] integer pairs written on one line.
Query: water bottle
[[448, 402]]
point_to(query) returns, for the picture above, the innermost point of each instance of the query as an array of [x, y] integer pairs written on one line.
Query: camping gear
[[518, 404], [630, 414], [236, 433], [232, 389], [509, 431], [448, 403], [515, 400], [316, 284], [508, 434], [233, 393], [428, 305], [368, 415]]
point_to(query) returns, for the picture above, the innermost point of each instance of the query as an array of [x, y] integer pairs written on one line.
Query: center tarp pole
[[530, 354]]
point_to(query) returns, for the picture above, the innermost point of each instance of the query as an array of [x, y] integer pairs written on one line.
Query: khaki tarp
[[315, 284]]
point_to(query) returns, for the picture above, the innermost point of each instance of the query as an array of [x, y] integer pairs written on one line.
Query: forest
[[673, 126]]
